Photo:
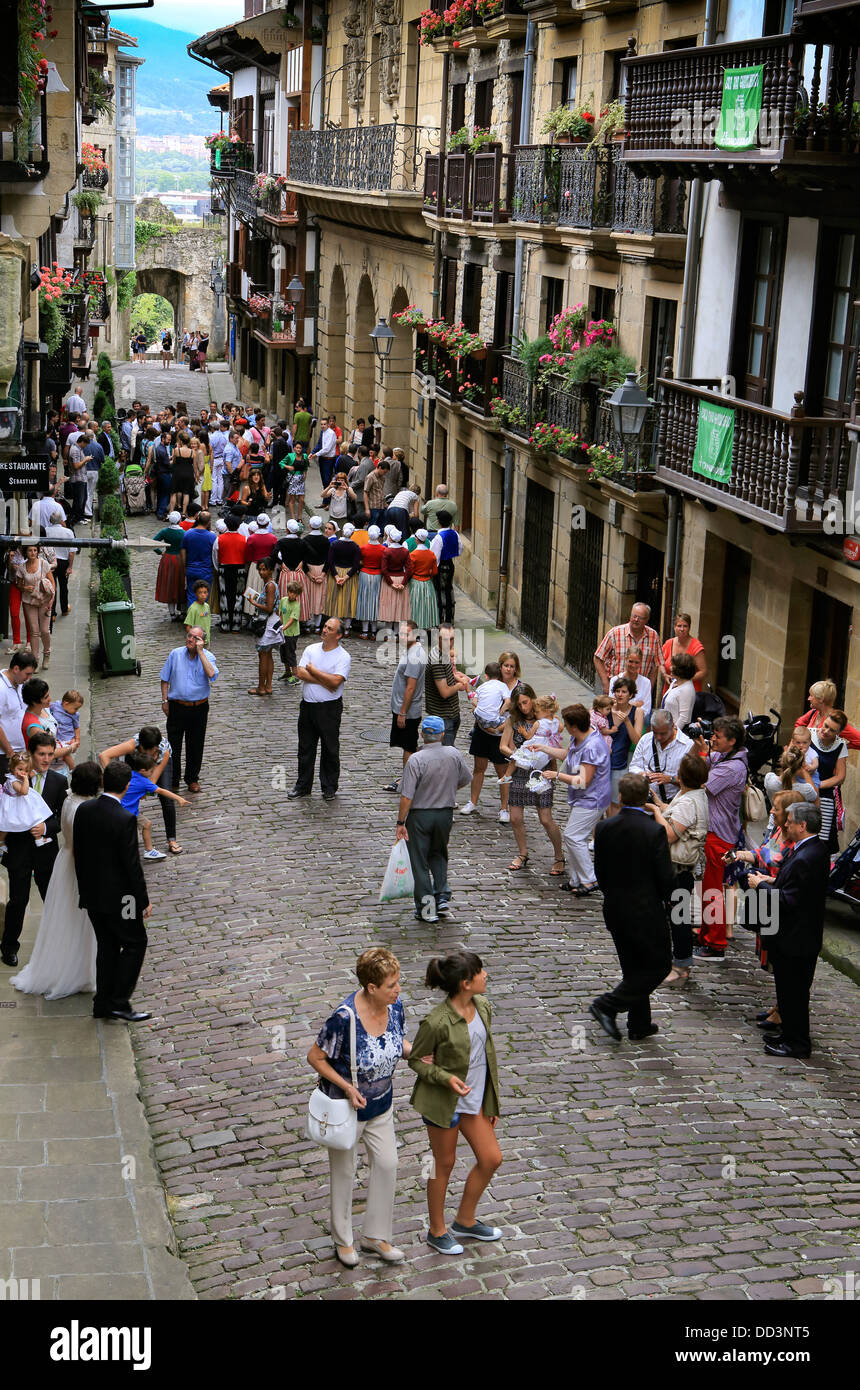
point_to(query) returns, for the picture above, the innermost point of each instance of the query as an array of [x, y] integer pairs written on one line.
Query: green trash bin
[[116, 630]]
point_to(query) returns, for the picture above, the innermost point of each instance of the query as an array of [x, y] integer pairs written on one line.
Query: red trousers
[[713, 901], [15, 613]]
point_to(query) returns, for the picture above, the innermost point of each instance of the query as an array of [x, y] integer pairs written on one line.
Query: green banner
[[712, 457], [740, 110]]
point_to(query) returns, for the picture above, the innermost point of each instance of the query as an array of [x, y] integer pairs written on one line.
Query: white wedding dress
[[64, 956]]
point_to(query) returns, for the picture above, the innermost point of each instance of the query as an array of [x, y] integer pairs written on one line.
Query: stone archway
[[176, 265], [363, 360], [335, 377], [397, 405]]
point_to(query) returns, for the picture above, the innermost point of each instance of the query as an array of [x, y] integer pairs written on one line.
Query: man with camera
[[658, 754], [727, 778]]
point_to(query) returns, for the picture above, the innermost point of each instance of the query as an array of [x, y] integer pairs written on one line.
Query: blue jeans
[[450, 734], [327, 466], [376, 516], [163, 495]]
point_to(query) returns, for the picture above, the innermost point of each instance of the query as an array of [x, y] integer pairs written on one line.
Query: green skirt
[[423, 603]]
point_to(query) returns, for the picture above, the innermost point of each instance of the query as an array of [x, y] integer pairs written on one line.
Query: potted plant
[[87, 201], [484, 139], [570, 124], [460, 140], [612, 124], [411, 317], [430, 26]]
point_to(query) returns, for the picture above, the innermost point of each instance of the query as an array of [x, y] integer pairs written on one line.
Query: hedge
[[111, 588]]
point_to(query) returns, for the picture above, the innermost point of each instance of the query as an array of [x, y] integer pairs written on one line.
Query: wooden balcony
[[674, 101], [279, 209], [434, 177], [277, 332], [234, 280], [782, 468], [458, 171], [468, 187], [23, 151], [85, 231]]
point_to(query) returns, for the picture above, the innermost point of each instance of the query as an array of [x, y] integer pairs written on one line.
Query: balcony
[[385, 163], [467, 187], [242, 196], [23, 153], [279, 208], [674, 101], [463, 381], [224, 161], [95, 178], [85, 231], [587, 188], [234, 280], [779, 469], [95, 287], [276, 329]]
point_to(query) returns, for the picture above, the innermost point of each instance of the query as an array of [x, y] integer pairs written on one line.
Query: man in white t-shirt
[[323, 669], [75, 404]]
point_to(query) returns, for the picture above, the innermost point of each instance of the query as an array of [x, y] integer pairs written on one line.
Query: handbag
[[753, 804], [334, 1123]]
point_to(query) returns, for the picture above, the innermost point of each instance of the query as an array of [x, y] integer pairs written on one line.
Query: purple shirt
[[593, 751], [725, 787]]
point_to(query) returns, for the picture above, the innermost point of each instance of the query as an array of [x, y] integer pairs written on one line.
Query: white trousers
[[378, 1136], [92, 480], [575, 837], [217, 492]]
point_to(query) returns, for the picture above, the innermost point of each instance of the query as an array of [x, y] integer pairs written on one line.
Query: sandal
[[174, 848], [555, 871], [518, 863], [586, 892], [678, 975], [255, 691]]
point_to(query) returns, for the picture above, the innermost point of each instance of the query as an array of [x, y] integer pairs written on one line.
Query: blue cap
[[432, 724]]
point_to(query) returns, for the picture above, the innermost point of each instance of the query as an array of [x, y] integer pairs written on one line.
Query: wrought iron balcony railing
[[224, 162], [85, 230], [674, 102], [382, 158], [781, 468], [95, 178], [244, 203], [278, 207], [276, 329], [589, 187]]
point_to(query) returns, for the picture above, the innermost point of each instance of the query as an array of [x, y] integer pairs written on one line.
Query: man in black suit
[[793, 944], [112, 890], [635, 874], [26, 858]]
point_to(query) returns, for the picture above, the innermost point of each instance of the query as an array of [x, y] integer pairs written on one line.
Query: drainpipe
[[507, 508]]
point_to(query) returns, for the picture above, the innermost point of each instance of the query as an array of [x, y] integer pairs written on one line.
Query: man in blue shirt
[[186, 678], [218, 439], [197, 544]]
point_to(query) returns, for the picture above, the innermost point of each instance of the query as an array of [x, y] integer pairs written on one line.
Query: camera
[[702, 728]]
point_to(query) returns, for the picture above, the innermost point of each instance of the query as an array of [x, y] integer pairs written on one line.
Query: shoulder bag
[[334, 1123], [753, 804]]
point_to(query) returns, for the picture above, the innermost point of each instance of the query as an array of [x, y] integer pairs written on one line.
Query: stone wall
[[177, 266]]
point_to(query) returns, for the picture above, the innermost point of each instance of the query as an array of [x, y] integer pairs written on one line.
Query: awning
[[257, 41]]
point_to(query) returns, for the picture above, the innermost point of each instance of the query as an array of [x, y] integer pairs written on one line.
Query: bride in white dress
[[64, 955]]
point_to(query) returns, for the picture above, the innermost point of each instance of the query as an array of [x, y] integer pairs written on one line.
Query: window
[[661, 339], [733, 623], [619, 73], [552, 298], [830, 384], [602, 302], [569, 69], [125, 167], [471, 314], [125, 236], [484, 104], [125, 75], [756, 302], [504, 320], [458, 106], [778, 16], [267, 134], [442, 437], [670, 45], [515, 107], [449, 288], [467, 491]]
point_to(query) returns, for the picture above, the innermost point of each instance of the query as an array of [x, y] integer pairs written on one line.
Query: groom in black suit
[[112, 890], [25, 859], [634, 870]]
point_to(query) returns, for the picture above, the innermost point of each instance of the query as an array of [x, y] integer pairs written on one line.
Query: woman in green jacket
[[458, 1089]]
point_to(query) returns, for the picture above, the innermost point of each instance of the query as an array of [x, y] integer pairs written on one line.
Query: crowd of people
[[646, 785]]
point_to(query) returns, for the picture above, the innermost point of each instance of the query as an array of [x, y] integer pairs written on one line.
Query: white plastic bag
[[398, 881]]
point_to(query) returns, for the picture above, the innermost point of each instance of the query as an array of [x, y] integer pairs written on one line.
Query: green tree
[[149, 314]]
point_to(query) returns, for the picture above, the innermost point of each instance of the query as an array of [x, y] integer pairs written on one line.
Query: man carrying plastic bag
[[428, 788]]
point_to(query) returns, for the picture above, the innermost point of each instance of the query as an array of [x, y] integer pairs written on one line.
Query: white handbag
[[334, 1123]]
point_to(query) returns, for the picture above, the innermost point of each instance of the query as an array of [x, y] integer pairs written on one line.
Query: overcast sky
[[191, 16]]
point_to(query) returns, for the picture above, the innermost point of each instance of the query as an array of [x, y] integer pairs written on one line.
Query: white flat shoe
[[468, 809], [392, 1254], [348, 1257]]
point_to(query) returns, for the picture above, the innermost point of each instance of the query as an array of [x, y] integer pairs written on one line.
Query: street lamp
[[383, 340], [629, 406], [216, 276], [295, 290]]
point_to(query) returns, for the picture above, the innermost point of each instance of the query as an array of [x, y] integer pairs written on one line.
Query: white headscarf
[[374, 533], [395, 536], [174, 518], [263, 522], [422, 535], [293, 526], [220, 526], [316, 523], [348, 529]]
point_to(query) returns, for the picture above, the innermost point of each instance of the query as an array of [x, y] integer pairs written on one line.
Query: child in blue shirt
[[68, 720], [143, 768]]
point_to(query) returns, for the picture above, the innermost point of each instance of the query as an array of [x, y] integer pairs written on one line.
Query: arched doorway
[[151, 314], [397, 408], [166, 284], [336, 350], [363, 363]]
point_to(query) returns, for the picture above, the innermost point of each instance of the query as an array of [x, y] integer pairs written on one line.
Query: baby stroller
[[844, 880], [762, 743], [135, 490]]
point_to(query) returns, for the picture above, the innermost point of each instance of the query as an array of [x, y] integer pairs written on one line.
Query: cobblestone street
[[690, 1166]]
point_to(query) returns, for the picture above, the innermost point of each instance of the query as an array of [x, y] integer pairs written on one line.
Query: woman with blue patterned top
[[380, 1042]]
